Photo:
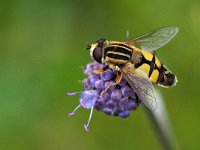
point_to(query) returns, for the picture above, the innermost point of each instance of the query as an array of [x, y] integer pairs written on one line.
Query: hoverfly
[[135, 61]]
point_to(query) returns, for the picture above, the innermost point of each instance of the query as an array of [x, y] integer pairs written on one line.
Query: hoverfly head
[[96, 50]]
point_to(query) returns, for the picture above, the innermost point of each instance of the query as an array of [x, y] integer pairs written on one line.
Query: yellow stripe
[[129, 49], [117, 53], [148, 56], [115, 61], [158, 63], [145, 67], [154, 76]]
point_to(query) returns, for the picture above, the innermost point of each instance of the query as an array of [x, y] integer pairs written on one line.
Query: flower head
[[116, 100]]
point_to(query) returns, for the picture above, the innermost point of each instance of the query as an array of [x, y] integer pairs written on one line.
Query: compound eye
[[97, 54]]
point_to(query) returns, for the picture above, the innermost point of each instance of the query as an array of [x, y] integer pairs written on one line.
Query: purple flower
[[117, 100]]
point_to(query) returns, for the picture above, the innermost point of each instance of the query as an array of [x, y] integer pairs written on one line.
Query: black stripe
[[116, 56], [123, 50], [161, 71], [152, 64], [141, 61], [118, 49]]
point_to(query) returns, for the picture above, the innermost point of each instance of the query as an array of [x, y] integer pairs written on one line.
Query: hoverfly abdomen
[[156, 71], [166, 78]]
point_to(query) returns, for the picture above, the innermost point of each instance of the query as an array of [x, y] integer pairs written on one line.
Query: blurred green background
[[42, 51]]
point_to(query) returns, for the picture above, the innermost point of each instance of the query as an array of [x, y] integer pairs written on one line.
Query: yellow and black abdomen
[[156, 71]]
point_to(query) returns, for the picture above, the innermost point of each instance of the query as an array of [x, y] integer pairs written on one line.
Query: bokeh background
[[42, 52]]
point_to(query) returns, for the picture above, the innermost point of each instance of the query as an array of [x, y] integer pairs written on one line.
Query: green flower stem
[[161, 123]]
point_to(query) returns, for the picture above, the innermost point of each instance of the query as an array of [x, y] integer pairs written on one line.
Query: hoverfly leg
[[101, 70], [117, 81], [86, 126], [118, 78]]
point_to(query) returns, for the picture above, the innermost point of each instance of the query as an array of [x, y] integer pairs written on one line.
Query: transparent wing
[[154, 39], [141, 84]]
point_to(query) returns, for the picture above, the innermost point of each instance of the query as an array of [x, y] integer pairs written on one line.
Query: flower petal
[[124, 114], [107, 75], [88, 98]]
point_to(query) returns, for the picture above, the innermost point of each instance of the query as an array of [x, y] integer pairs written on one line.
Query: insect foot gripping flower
[[117, 100]]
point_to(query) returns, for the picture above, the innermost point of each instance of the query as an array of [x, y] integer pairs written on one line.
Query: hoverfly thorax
[[97, 50]]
